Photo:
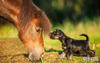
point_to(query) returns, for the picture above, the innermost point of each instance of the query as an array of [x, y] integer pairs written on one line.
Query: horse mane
[[29, 11], [25, 14]]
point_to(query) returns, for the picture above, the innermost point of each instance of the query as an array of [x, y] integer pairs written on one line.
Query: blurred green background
[[60, 11]]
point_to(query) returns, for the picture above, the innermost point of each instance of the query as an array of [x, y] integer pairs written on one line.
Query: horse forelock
[[44, 21]]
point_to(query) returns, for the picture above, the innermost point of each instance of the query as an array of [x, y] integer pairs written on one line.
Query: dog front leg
[[63, 53]]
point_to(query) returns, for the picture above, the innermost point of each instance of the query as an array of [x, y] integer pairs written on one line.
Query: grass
[[52, 47]]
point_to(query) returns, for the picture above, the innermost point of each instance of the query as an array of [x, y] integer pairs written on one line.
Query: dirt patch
[[14, 59], [98, 45]]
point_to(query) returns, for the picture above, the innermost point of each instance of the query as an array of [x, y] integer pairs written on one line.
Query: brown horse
[[30, 21]]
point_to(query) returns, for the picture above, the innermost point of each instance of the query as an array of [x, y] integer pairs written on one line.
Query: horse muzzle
[[36, 55]]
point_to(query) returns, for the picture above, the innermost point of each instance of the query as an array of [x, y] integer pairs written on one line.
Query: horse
[[30, 22]]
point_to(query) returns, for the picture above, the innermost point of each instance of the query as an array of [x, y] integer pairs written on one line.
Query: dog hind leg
[[69, 55], [62, 55]]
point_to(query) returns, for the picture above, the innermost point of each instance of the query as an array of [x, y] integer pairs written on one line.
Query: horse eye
[[38, 30]]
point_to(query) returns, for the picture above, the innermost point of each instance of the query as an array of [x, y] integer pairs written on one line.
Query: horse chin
[[35, 56], [36, 53]]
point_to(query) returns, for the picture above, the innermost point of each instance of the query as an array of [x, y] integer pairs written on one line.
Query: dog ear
[[56, 29]]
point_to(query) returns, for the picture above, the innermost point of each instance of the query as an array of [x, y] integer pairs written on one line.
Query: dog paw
[[62, 56]]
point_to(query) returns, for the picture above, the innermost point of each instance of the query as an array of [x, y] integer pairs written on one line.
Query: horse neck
[[10, 10]]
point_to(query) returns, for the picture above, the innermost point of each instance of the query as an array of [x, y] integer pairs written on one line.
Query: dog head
[[56, 34]]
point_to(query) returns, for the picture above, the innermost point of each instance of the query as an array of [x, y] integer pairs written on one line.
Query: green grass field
[[13, 51]]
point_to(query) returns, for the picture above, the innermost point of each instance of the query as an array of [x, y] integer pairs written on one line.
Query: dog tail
[[87, 38]]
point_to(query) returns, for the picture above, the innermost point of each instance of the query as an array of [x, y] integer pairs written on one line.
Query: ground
[[12, 51]]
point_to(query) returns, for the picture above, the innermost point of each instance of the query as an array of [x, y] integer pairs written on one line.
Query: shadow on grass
[[26, 55], [53, 50]]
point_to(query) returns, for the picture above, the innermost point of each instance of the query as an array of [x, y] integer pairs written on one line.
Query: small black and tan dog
[[71, 46]]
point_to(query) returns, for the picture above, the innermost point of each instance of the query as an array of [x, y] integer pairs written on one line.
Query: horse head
[[30, 21]]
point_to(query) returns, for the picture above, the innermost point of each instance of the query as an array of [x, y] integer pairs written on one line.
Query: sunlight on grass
[[8, 31]]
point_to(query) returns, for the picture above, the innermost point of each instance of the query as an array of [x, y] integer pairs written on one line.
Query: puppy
[[70, 45]]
